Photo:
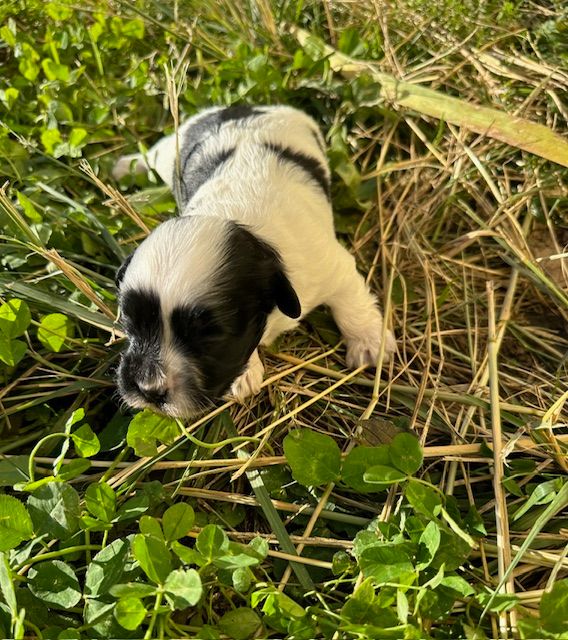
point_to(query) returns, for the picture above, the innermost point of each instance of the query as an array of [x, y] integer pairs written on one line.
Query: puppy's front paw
[[250, 381], [364, 350]]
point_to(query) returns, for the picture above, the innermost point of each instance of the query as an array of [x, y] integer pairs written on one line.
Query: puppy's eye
[[195, 324]]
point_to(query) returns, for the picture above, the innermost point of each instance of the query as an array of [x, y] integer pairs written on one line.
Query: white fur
[[279, 203]]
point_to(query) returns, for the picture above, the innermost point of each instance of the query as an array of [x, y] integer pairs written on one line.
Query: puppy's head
[[194, 299]]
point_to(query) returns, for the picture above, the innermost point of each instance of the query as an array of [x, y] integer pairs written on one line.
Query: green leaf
[[106, 568], [212, 541], [341, 562], [133, 590], [8, 34], [133, 508], [235, 561], [55, 583], [55, 71], [153, 556], [86, 442], [554, 608], [402, 606], [242, 579], [314, 458], [358, 461], [406, 453], [382, 475], [13, 471], [50, 138], [150, 526], [147, 428], [132, 29], [428, 544], [73, 469], [53, 331], [188, 555], [15, 318], [459, 584], [28, 207], [435, 604], [77, 138], [74, 418], [259, 546], [100, 500], [364, 607], [7, 584], [29, 69], [55, 510], [15, 523], [452, 552], [388, 562], [423, 499], [58, 11], [177, 521], [129, 613], [183, 588], [498, 602], [240, 624], [12, 351]]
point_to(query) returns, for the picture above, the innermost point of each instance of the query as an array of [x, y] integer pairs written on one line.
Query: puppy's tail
[[135, 162]]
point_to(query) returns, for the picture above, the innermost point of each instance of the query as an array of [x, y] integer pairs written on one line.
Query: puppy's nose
[[155, 394]]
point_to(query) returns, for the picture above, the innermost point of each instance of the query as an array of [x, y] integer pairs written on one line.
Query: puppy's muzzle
[[156, 394]]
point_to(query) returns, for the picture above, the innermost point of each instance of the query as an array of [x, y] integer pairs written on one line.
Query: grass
[[211, 528]]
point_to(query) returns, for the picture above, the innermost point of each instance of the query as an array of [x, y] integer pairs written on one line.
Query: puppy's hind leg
[[357, 314]]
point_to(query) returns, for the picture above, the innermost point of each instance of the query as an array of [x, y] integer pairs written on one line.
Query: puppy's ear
[[285, 296], [122, 270]]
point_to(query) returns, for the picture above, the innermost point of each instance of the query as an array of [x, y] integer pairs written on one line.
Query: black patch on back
[[194, 177], [238, 112], [196, 134], [309, 165], [119, 277], [222, 333], [317, 137]]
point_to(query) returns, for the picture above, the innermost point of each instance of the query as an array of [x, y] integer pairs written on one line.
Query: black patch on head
[[193, 177], [141, 317], [142, 321], [221, 334], [311, 166], [285, 296], [194, 138], [257, 268]]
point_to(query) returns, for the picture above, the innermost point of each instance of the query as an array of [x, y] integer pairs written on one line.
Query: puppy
[[253, 251]]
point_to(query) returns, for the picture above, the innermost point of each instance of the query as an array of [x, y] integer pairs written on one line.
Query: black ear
[[121, 271], [285, 296]]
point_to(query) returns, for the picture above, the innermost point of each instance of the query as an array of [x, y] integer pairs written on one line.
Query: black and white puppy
[[253, 251]]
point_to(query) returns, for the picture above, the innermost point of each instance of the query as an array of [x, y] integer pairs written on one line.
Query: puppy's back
[[258, 146]]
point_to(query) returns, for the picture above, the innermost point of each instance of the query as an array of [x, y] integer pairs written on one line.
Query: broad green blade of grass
[[517, 132], [51, 301], [271, 514], [558, 503]]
